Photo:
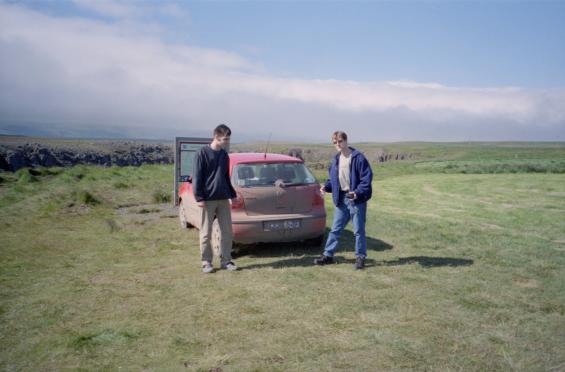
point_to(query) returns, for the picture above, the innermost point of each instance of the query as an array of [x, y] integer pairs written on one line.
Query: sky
[[381, 71]]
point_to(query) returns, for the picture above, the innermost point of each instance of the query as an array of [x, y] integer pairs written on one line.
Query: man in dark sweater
[[213, 190]]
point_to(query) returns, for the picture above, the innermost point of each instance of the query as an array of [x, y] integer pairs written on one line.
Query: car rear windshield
[[266, 174]]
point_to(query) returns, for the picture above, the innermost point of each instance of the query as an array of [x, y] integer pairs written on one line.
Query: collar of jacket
[[354, 153]]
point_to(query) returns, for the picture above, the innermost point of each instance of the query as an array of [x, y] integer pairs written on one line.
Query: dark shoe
[[324, 260], [359, 263]]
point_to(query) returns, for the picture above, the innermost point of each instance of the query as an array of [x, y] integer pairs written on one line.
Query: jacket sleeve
[[233, 194], [363, 189], [197, 177], [328, 184]]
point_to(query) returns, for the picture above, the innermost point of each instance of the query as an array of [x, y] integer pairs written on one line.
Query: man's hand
[[322, 191], [352, 195], [201, 204]]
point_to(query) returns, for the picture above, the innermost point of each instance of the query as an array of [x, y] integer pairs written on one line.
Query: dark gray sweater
[[211, 179]]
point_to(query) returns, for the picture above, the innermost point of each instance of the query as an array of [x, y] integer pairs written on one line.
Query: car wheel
[[316, 242], [182, 217]]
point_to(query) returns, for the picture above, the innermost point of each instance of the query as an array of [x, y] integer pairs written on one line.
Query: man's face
[[339, 143], [223, 141]]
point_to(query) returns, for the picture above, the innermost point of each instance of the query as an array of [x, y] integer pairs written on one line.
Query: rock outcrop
[[34, 155]]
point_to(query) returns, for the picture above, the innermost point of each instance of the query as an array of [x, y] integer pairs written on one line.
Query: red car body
[[278, 200]]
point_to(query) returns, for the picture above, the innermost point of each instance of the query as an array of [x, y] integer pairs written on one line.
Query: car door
[[185, 150]]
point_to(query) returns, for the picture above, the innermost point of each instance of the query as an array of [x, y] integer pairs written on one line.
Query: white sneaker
[[229, 266], [207, 268]]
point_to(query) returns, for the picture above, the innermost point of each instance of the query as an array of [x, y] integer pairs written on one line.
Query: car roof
[[259, 157]]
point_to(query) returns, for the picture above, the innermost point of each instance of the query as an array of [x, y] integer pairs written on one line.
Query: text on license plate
[[281, 225]]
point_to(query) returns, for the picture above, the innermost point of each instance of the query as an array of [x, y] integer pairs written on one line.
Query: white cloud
[[84, 72]]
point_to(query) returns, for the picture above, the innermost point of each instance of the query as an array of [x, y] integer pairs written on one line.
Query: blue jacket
[[360, 178]]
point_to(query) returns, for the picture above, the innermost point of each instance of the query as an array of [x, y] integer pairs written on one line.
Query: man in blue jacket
[[350, 185]]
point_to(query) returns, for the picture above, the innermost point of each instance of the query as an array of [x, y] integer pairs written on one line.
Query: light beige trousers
[[220, 209]]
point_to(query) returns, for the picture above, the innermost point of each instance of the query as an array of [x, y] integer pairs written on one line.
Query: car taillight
[[237, 202], [318, 198]]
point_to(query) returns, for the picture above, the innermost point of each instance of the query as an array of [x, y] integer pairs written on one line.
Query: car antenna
[[267, 147]]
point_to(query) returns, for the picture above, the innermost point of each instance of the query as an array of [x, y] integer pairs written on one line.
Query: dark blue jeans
[[346, 210]]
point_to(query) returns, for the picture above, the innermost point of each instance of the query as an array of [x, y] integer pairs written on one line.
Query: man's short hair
[[222, 130], [338, 134]]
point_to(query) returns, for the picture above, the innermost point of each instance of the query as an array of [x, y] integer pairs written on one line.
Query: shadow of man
[[428, 262], [301, 254]]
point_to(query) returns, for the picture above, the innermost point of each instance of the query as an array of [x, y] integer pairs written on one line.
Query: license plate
[[281, 225]]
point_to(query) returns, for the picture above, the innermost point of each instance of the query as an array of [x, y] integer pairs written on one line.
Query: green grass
[[465, 272]]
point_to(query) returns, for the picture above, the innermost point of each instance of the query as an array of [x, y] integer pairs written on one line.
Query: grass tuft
[[160, 196], [121, 185], [113, 225], [25, 176], [86, 198], [106, 337], [149, 210]]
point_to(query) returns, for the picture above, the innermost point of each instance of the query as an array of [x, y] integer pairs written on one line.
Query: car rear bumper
[[251, 229]]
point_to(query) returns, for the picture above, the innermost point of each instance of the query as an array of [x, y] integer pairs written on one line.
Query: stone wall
[[34, 155]]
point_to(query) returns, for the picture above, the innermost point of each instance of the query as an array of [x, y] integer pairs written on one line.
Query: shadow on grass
[[301, 254], [428, 262]]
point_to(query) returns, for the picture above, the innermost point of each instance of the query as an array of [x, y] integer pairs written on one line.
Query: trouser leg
[[223, 213], [208, 212], [341, 217], [359, 216]]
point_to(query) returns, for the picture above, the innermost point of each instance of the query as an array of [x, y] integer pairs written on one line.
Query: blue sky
[[454, 43], [384, 71]]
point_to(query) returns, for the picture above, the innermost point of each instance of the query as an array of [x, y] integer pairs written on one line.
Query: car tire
[[184, 224], [316, 242]]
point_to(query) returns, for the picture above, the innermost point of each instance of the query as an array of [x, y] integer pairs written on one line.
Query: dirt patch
[[147, 213], [453, 210], [413, 213], [527, 283], [431, 190], [491, 226], [522, 190]]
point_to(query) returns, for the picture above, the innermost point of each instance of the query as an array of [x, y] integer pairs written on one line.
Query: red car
[[278, 200]]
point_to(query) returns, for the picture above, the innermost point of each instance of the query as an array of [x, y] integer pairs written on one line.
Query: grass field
[[466, 271]]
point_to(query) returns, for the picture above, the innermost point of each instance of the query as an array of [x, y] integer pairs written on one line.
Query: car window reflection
[[266, 174]]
